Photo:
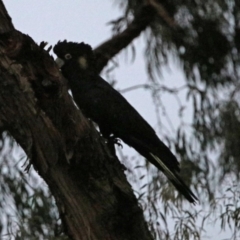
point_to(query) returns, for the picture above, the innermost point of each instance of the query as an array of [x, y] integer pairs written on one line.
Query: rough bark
[[94, 199]]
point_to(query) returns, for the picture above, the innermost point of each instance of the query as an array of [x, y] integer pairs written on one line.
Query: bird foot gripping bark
[[113, 140]]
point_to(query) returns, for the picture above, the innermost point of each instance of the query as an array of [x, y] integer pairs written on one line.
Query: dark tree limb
[[142, 19], [113, 46], [162, 13], [94, 199]]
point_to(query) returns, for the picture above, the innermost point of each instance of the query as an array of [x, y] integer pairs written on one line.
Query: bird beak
[[59, 62]]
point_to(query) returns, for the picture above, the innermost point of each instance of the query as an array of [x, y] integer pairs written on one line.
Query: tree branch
[[146, 14], [162, 13], [110, 48]]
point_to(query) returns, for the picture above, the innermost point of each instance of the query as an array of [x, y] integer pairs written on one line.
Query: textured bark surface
[[94, 199]]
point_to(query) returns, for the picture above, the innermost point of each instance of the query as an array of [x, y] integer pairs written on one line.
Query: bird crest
[[81, 52]]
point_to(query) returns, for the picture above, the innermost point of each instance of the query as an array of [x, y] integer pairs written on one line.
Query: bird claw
[[113, 140], [43, 44], [117, 141]]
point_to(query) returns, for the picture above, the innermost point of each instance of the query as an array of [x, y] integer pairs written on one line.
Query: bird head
[[74, 56]]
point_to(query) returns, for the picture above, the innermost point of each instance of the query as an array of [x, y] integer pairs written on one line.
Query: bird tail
[[176, 180]]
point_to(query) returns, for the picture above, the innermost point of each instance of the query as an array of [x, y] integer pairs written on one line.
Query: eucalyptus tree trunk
[[94, 199]]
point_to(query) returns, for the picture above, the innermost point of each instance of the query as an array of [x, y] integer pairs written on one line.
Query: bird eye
[[68, 56]]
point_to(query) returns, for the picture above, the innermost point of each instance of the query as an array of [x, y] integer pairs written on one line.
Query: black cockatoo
[[100, 102]]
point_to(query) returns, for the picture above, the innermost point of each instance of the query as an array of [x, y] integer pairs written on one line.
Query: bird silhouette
[[115, 116]]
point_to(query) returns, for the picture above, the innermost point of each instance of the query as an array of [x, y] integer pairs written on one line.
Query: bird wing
[[106, 106], [112, 112]]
